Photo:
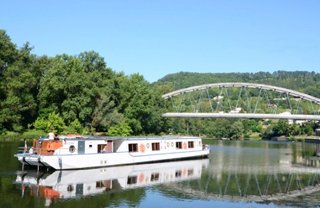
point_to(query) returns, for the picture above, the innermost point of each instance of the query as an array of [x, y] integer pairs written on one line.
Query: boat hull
[[79, 161]]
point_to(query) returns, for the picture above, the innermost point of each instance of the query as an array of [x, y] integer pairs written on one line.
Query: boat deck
[[89, 137]]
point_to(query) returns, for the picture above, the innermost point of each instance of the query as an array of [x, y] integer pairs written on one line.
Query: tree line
[[80, 93], [73, 94]]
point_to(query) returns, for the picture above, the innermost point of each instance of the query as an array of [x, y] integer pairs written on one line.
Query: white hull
[[166, 151], [103, 160]]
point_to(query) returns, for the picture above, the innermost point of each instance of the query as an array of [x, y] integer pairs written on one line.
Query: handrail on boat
[[34, 151], [205, 147]]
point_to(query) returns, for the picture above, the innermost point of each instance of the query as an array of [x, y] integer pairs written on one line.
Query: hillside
[[303, 81]]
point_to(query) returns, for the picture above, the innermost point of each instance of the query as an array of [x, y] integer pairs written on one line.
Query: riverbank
[[28, 135]]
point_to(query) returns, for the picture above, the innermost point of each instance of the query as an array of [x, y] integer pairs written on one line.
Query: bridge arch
[[243, 85], [254, 114]]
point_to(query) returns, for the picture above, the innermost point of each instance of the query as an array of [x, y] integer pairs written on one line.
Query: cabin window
[[102, 184], [133, 147], [179, 145], [190, 144], [178, 173], [155, 146], [103, 148], [132, 180], [99, 184], [190, 172], [154, 176]]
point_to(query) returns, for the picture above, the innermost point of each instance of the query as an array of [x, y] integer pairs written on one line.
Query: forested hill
[[307, 82]]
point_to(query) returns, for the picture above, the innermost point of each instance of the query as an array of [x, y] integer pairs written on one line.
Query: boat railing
[[205, 147], [21, 150], [30, 151], [41, 151]]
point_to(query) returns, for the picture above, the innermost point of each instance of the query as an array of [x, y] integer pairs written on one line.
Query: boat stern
[[29, 159]]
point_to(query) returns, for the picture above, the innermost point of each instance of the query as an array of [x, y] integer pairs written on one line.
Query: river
[[236, 174]]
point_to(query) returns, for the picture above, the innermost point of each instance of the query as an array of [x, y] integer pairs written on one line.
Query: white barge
[[77, 152]]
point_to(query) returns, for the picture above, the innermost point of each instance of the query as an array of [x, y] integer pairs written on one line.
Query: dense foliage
[[80, 93], [73, 94]]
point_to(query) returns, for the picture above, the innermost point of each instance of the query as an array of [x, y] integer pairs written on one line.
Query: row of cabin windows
[[134, 147], [156, 146], [179, 173], [156, 176], [179, 145], [134, 179]]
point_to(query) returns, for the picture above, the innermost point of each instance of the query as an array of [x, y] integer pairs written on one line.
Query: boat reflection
[[77, 183], [250, 174]]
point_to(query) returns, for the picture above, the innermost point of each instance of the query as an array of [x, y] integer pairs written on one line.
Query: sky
[[156, 38]]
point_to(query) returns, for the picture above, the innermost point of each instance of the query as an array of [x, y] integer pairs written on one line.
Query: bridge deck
[[242, 115]]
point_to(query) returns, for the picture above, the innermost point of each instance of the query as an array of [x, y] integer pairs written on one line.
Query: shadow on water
[[236, 173]]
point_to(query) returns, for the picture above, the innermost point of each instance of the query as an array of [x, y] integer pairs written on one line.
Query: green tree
[[141, 106], [281, 128], [66, 88], [18, 106], [294, 130], [267, 133], [221, 128], [105, 114], [78, 88], [236, 130], [75, 127], [121, 129], [8, 52], [308, 128], [92, 61], [52, 122]]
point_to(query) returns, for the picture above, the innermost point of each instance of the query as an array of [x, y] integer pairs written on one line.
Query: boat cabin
[[133, 145]]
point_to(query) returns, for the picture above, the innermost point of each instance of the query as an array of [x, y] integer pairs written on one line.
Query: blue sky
[[156, 38]]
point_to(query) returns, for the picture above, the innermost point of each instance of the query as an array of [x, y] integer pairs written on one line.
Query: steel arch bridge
[[242, 100]]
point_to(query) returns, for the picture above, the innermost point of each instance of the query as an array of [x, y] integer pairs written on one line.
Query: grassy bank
[[32, 134], [28, 135]]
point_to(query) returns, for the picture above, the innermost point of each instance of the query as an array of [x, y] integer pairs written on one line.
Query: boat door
[[79, 189], [81, 147]]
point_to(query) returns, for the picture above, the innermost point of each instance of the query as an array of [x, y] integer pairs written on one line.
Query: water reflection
[[78, 183], [261, 172], [311, 154]]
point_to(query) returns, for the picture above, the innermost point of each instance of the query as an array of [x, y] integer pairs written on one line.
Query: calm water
[[237, 174]]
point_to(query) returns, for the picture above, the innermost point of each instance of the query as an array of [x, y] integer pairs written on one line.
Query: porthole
[[70, 188], [72, 148]]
